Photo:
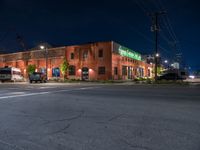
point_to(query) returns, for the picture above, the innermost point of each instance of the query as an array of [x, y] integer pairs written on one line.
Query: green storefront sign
[[123, 51]]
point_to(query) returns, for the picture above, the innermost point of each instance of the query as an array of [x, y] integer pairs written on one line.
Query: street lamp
[[166, 61], [42, 47], [156, 65]]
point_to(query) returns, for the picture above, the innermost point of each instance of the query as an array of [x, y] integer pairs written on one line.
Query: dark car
[[37, 77], [170, 76]]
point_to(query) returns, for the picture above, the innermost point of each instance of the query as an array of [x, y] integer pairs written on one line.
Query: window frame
[[72, 70], [124, 71], [72, 54], [115, 70], [101, 70], [100, 53]]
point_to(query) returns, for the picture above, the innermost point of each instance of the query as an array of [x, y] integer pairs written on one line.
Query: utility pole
[[46, 55], [155, 29]]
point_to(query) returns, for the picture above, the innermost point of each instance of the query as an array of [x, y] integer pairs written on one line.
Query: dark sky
[[73, 21]]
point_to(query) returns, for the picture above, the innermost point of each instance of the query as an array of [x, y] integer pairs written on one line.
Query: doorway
[[85, 73]]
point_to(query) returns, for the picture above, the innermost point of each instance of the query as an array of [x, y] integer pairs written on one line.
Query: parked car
[[170, 76], [37, 77]]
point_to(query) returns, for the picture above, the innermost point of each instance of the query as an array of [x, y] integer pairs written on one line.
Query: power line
[[168, 22], [141, 34], [146, 10], [142, 6], [172, 41]]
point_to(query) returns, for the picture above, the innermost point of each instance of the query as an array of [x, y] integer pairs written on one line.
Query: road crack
[[60, 130], [135, 145], [65, 119], [13, 146], [115, 117]]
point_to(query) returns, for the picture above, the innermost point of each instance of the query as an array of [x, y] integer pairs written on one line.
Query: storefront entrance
[[129, 73], [85, 73]]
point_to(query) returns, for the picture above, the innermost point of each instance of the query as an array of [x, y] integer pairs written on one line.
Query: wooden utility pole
[[155, 29]]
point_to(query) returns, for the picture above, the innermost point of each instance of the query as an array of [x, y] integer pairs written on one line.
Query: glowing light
[[191, 77], [41, 47], [36, 70], [24, 70], [79, 70], [157, 55], [123, 51], [166, 61], [49, 69], [90, 69]]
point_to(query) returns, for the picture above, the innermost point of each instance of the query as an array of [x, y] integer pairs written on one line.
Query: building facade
[[92, 61]]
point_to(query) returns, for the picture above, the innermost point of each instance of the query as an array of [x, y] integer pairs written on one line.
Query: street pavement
[[99, 117]]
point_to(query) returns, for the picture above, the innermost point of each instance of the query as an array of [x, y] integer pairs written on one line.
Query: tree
[[159, 70], [31, 69], [64, 66]]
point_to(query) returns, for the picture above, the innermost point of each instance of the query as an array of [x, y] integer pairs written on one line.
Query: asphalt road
[[99, 117]]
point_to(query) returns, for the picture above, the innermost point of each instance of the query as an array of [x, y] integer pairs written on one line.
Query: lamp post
[[156, 65], [166, 64], [46, 56]]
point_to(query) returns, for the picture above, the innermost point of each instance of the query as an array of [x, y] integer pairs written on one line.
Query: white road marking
[[43, 93], [23, 95], [46, 87]]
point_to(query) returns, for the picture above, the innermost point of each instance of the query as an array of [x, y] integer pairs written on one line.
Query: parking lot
[[93, 116]]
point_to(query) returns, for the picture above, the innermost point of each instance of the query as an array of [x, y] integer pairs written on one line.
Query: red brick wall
[[93, 61], [119, 61], [23, 59], [110, 60]]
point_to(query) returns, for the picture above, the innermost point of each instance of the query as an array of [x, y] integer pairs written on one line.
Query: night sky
[[70, 22]]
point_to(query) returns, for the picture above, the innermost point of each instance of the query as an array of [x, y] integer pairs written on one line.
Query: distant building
[[176, 65], [151, 59], [93, 61]]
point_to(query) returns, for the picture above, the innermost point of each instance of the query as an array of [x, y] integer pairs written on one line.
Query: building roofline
[[88, 43], [31, 51]]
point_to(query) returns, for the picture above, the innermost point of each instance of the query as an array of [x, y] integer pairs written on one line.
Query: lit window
[[43, 70], [85, 55], [56, 72]]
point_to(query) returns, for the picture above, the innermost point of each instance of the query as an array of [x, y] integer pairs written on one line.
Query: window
[[85, 55], [101, 53], [149, 72], [72, 56], [56, 72], [43, 70], [3, 71], [102, 70], [16, 72], [124, 70], [72, 70], [115, 71], [140, 72]]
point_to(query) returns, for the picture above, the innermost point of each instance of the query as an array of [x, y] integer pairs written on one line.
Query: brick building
[[93, 61]]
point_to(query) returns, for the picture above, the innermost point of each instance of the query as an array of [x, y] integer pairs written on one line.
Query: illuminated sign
[[123, 51]]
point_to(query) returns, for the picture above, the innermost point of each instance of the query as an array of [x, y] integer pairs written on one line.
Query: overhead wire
[[146, 10], [170, 38], [176, 44]]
